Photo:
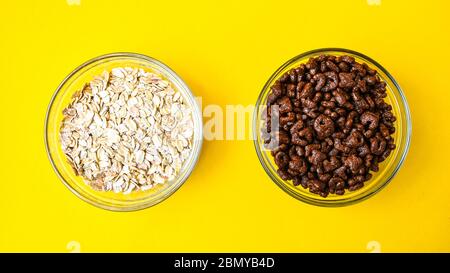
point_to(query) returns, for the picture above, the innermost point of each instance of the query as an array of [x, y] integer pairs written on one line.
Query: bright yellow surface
[[225, 52]]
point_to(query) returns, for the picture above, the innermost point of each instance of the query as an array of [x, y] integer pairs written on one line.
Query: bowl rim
[[340, 202], [109, 206]]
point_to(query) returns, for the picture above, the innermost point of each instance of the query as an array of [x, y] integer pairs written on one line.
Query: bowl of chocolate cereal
[[123, 131], [331, 127]]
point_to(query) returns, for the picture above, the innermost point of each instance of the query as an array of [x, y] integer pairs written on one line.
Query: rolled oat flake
[[127, 130]]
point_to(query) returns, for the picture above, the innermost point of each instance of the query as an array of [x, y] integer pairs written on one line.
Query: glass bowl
[[62, 97], [388, 168]]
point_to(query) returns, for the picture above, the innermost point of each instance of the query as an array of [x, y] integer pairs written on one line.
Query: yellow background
[[225, 51]]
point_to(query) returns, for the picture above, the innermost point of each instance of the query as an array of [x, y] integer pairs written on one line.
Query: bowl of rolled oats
[[123, 131]]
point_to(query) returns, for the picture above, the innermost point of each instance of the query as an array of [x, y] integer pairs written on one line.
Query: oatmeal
[[127, 130]]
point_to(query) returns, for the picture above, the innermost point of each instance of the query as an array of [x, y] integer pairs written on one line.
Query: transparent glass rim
[[343, 201], [197, 143]]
